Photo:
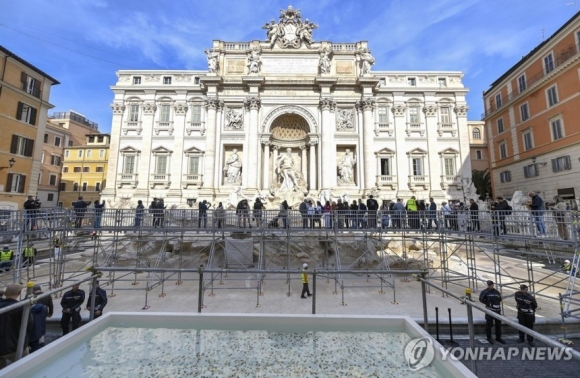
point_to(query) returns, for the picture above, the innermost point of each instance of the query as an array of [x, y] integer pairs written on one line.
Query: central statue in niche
[[286, 173]]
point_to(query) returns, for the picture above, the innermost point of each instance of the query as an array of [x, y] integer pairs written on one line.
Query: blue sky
[[83, 42]]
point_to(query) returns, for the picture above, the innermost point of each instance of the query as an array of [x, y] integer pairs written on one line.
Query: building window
[[165, 114], [42, 158], [449, 166], [412, 81], [562, 163], [91, 139], [552, 95], [57, 141], [385, 166], [100, 139], [136, 80], [45, 138], [101, 153], [524, 112], [89, 153], [134, 113], [55, 160], [522, 83], [161, 164], [30, 85], [476, 133], [500, 128], [70, 143], [193, 168], [505, 176], [442, 82], [62, 187], [502, 150], [531, 171], [383, 116], [26, 113], [64, 169], [50, 197], [498, 100], [445, 118], [80, 153], [75, 186], [166, 79], [478, 155], [196, 80], [77, 169], [97, 187], [549, 63], [528, 139], [129, 164], [15, 183], [85, 186], [86, 169], [99, 170], [556, 129], [39, 178], [52, 180], [66, 153], [414, 115], [22, 146], [196, 115], [417, 166]]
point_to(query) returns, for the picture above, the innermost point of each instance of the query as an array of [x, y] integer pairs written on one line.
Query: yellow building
[[84, 170], [24, 105]]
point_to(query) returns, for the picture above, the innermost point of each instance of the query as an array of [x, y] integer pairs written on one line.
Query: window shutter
[[14, 145], [555, 165], [29, 149], [36, 88], [9, 182], [567, 162], [22, 184], [19, 111], [23, 77], [33, 116]]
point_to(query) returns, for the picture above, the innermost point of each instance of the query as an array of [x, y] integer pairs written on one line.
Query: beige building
[[84, 170], [56, 138], [24, 105], [478, 146]]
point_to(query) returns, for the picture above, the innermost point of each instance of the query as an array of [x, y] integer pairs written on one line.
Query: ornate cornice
[[252, 103], [327, 103], [118, 108], [399, 110]]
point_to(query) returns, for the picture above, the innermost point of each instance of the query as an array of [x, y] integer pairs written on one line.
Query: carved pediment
[[161, 151], [193, 151], [129, 150], [385, 151], [449, 151], [417, 151]]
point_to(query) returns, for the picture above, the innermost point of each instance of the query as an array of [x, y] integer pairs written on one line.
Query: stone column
[[178, 161], [303, 161], [253, 104], [327, 105], [367, 105], [312, 181], [114, 159], [266, 182], [275, 148], [217, 172], [147, 160], [211, 104]]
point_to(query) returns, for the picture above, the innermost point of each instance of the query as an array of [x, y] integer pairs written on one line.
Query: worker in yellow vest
[[29, 254], [305, 289], [412, 213], [6, 257]]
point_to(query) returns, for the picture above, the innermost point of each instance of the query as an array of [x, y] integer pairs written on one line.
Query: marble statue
[[286, 172], [346, 168], [254, 61], [235, 196], [324, 60], [274, 31], [367, 60], [304, 31], [291, 31], [234, 120], [212, 60], [233, 168]]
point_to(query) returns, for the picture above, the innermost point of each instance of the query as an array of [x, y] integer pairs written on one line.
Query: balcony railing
[[418, 180], [163, 126], [132, 126], [344, 46], [387, 180], [127, 178], [561, 58], [189, 179]]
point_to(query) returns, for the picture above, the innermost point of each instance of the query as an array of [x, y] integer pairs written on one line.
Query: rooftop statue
[[290, 31]]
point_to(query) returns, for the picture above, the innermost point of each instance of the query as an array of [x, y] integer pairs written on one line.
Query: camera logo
[[419, 353]]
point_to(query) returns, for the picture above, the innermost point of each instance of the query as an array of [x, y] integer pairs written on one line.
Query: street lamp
[[10, 163]]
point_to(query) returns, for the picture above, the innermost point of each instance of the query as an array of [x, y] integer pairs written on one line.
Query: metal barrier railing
[[30, 300]]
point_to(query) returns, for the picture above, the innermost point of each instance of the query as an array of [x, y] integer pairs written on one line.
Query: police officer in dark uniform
[[527, 306], [492, 300], [71, 303]]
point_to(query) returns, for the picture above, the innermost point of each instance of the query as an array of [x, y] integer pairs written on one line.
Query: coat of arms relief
[[291, 31]]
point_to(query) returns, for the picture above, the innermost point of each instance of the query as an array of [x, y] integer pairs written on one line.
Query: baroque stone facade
[[286, 118]]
